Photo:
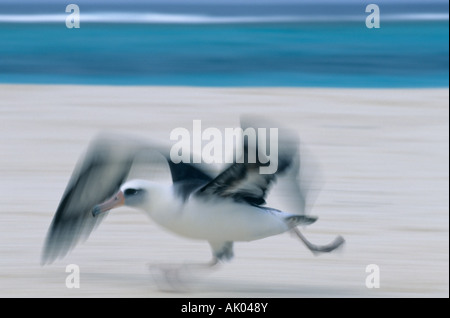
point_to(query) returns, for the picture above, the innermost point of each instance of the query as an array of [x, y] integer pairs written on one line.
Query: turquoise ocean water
[[225, 48]]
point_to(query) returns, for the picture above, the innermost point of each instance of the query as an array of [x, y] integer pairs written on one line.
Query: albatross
[[222, 209]]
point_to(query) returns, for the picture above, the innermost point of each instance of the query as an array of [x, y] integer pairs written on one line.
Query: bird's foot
[[316, 249]]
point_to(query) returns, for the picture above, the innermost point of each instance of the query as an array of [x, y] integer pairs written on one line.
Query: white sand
[[384, 155]]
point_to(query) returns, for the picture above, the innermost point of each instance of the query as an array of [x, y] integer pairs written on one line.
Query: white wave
[[160, 18], [417, 17], [32, 18]]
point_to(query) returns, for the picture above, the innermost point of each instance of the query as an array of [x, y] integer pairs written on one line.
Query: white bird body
[[214, 220]]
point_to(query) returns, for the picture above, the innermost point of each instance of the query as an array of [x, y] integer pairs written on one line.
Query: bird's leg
[[316, 249], [175, 277], [170, 269], [202, 266], [166, 276]]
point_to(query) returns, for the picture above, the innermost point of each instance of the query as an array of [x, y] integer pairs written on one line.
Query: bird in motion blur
[[221, 209]]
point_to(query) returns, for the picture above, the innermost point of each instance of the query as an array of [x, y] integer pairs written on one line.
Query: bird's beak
[[115, 201]]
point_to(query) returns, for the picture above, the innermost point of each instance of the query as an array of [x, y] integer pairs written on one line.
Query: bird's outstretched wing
[[243, 181], [98, 175]]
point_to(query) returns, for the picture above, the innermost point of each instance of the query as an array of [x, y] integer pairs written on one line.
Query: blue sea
[[226, 45]]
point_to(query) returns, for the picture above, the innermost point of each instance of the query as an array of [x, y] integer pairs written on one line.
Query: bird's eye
[[131, 191]]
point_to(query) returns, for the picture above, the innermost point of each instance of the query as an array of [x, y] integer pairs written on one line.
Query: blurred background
[[370, 104], [226, 43]]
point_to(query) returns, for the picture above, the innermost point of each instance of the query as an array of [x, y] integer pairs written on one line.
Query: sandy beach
[[383, 153]]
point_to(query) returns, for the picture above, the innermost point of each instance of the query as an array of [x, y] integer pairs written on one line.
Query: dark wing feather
[[187, 171], [242, 181], [99, 175]]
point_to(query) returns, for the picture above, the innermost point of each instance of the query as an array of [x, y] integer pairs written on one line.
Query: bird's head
[[133, 193]]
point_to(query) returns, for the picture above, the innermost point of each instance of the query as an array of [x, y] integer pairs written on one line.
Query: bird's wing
[[243, 181], [97, 176]]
